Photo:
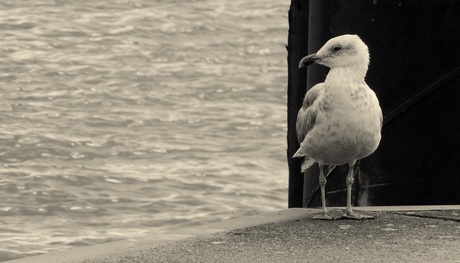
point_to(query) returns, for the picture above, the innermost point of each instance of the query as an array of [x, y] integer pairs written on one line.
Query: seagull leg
[[322, 182], [348, 211]]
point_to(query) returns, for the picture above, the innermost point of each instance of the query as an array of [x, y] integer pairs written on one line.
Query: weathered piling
[[297, 48]]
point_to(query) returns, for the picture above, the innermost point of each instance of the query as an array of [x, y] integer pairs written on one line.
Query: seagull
[[340, 119]]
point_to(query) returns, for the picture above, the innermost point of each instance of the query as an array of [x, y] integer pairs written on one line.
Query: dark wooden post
[[297, 48]]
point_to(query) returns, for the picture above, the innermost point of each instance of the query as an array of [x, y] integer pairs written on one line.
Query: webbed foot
[[356, 216], [323, 216]]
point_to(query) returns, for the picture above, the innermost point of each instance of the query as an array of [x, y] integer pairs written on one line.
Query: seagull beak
[[308, 60]]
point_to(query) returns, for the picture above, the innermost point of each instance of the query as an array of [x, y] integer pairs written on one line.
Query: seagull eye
[[336, 48]]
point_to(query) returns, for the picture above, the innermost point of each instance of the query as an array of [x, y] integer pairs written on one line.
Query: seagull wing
[[306, 117]]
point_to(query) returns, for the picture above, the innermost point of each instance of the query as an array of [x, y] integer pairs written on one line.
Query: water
[[129, 118]]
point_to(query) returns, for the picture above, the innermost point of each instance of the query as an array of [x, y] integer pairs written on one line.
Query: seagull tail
[[307, 162]]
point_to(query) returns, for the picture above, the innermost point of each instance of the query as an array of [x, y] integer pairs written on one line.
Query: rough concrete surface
[[398, 234], [391, 237]]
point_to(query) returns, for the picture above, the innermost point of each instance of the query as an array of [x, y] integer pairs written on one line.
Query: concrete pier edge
[[76, 254]]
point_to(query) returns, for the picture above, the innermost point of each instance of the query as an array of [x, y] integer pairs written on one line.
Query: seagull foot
[[323, 216], [356, 216]]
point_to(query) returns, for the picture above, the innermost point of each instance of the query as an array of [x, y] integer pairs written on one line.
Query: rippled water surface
[[128, 118]]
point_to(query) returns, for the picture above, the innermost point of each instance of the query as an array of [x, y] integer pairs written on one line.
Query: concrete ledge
[[179, 234], [289, 236]]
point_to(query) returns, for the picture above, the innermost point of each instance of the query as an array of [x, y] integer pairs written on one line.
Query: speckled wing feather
[[306, 119], [306, 116]]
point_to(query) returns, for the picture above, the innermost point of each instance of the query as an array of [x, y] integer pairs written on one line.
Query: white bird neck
[[354, 73]]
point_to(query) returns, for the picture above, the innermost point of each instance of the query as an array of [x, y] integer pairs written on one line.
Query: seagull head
[[341, 51]]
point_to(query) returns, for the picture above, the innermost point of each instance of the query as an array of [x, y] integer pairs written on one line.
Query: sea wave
[[127, 118]]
